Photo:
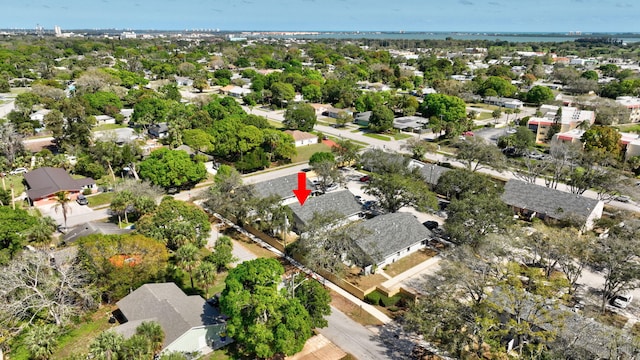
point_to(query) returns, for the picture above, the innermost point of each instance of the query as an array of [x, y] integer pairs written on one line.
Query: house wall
[[196, 339], [595, 215], [307, 141], [402, 253]]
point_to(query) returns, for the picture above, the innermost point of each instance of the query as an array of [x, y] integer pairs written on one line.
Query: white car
[[622, 301], [17, 171]]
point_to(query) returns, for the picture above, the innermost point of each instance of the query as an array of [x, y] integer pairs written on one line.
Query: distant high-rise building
[[57, 31]]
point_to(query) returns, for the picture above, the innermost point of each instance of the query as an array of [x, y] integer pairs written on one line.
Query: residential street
[[354, 338]]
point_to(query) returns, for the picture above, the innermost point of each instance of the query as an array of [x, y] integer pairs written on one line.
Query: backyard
[[409, 261], [305, 152]]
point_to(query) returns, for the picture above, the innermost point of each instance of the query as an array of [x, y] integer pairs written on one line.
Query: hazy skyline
[[327, 15]]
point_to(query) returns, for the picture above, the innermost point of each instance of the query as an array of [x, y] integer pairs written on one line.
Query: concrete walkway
[[429, 266]]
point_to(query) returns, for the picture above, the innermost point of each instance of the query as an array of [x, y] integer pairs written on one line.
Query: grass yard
[[409, 261], [482, 106], [378, 136], [352, 310], [105, 127], [15, 181], [275, 124], [100, 199], [305, 152], [78, 339], [634, 128], [484, 116], [401, 136]]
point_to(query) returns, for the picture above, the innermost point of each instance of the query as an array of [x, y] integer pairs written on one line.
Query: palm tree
[[41, 232], [41, 341], [63, 203], [187, 257], [106, 346], [153, 332], [206, 275]]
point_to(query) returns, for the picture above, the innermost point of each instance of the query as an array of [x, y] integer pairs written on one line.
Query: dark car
[[365, 178], [431, 225], [82, 200]]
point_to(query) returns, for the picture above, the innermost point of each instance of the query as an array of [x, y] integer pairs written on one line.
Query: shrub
[[373, 298], [389, 301]]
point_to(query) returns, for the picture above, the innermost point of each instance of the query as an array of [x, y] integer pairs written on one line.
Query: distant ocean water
[[511, 37]]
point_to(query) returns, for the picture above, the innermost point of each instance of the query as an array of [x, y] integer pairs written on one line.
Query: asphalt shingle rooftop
[[342, 202]]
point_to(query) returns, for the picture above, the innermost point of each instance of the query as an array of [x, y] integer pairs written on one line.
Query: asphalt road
[[353, 337]]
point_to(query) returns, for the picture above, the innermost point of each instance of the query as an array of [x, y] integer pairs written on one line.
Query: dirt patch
[[363, 282], [409, 261], [352, 310]]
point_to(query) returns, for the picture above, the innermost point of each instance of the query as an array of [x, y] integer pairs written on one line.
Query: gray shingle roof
[[430, 172], [282, 186], [342, 202], [553, 203], [387, 234], [169, 306], [47, 181], [90, 228]]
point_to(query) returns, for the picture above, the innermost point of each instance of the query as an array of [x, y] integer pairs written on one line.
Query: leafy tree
[[300, 116], [222, 256], [395, 191], [539, 95], [200, 83], [312, 93], [616, 257], [499, 85], [450, 111], [4, 85], [471, 218], [172, 168], [382, 162], [315, 299], [14, 227], [152, 331], [460, 183], [176, 223], [228, 196], [262, 320], [345, 151], [281, 93], [103, 102], [381, 119], [321, 156], [476, 153], [40, 233], [118, 263], [418, 147], [602, 139]]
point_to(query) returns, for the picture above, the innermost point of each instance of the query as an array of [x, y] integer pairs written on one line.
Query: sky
[[327, 15]]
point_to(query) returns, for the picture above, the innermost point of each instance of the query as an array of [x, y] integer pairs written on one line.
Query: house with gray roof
[[282, 186], [389, 237], [342, 202], [415, 124], [531, 200], [430, 172], [190, 324], [43, 183], [93, 227]]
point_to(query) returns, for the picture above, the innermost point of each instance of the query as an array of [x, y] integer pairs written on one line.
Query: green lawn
[[15, 181], [483, 106], [378, 136], [305, 152], [100, 199], [401, 136], [105, 127], [484, 116], [275, 124]]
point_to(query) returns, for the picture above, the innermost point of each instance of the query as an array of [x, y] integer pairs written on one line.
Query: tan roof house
[[302, 138]]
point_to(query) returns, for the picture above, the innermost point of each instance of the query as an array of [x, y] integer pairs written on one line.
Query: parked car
[[332, 187], [82, 200], [622, 301], [430, 224], [17, 171], [623, 198], [365, 178], [535, 155], [359, 199]]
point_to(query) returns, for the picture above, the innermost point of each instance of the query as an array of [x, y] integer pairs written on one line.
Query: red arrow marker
[[302, 192]]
